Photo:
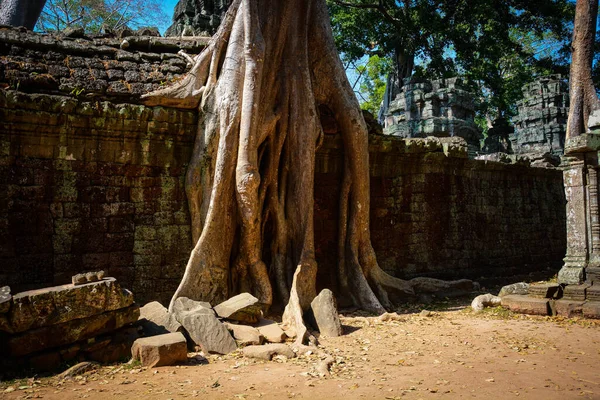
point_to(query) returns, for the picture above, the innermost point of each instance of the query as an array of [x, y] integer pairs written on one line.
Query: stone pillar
[[580, 173]]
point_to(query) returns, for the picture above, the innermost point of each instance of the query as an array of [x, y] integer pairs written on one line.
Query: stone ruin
[[441, 108], [541, 124], [44, 328], [197, 17]]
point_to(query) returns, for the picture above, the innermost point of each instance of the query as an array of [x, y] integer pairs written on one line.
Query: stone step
[[545, 290], [527, 305], [575, 292]]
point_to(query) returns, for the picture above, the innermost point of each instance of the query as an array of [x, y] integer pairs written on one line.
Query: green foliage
[[371, 82], [98, 15], [499, 45]]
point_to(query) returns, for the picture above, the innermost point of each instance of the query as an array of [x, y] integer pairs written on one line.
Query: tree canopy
[[498, 45], [98, 15]]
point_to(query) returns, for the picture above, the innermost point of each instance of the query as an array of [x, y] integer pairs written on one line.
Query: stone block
[[59, 304], [521, 288], [526, 304], [271, 331], [203, 327], [245, 335], [57, 335], [161, 350], [268, 351], [243, 308], [324, 309], [591, 309], [592, 275], [545, 290], [575, 292], [593, 292], [156, 320], [567, 308]]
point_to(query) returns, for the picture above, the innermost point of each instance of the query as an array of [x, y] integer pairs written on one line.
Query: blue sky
[[168, 7]]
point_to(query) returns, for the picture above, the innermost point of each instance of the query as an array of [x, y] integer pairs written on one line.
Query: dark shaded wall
[[436, 213]]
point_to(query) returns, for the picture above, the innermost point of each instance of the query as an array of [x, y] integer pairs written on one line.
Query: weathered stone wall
[[439, 214], [90, 186]]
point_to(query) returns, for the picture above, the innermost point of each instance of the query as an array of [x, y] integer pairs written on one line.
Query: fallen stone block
[[203, 327], [271, 331], [243, 308], [567, 308], [245, 335], [161, 350], [70, 332], [59, 304], [526, 305], [156, 320], [591, 309], [268, 351], [184, 305], [324, 308], [515, 288]]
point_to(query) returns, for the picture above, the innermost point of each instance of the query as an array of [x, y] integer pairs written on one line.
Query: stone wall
[[90, 186], [434, 212], [89, 180]]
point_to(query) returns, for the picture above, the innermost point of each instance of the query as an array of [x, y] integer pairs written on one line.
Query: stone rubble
[[268, 351], [156, 320], [245, 335], [243, 308], [44, 328], [324, 309], [161, 350], [271, 331]]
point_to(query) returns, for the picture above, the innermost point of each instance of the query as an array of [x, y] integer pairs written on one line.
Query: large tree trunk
[[583, 98], [259, 85], [21, 12]]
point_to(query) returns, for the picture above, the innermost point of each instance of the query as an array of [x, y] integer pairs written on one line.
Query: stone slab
[[156, 320], [514, 288], [584, 143], [207, 331], [591, 309], [70, 332], [324, 309], [567, 308], [526, 304], [545, 290], [161, 350], [245, 335], [60, 304], [243, 308], [271, 331], [184, 305]]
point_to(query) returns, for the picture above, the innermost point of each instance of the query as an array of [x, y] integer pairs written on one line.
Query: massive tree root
[[259, 85]]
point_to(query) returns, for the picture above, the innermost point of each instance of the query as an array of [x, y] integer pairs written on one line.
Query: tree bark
[[583, 97], [21, 12], [259, 85]]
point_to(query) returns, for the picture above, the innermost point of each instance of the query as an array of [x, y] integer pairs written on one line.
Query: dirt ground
[[450, 353]]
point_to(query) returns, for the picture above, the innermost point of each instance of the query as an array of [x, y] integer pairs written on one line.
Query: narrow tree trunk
[[583, 98], [21, 12], [259, 85]]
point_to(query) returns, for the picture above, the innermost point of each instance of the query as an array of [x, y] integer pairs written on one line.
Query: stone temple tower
[[197, 17]]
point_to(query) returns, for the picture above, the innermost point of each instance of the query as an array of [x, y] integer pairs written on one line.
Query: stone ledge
[[526, 305], [60, 304]]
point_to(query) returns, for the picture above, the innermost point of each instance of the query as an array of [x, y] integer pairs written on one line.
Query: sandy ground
[[452, 353]]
